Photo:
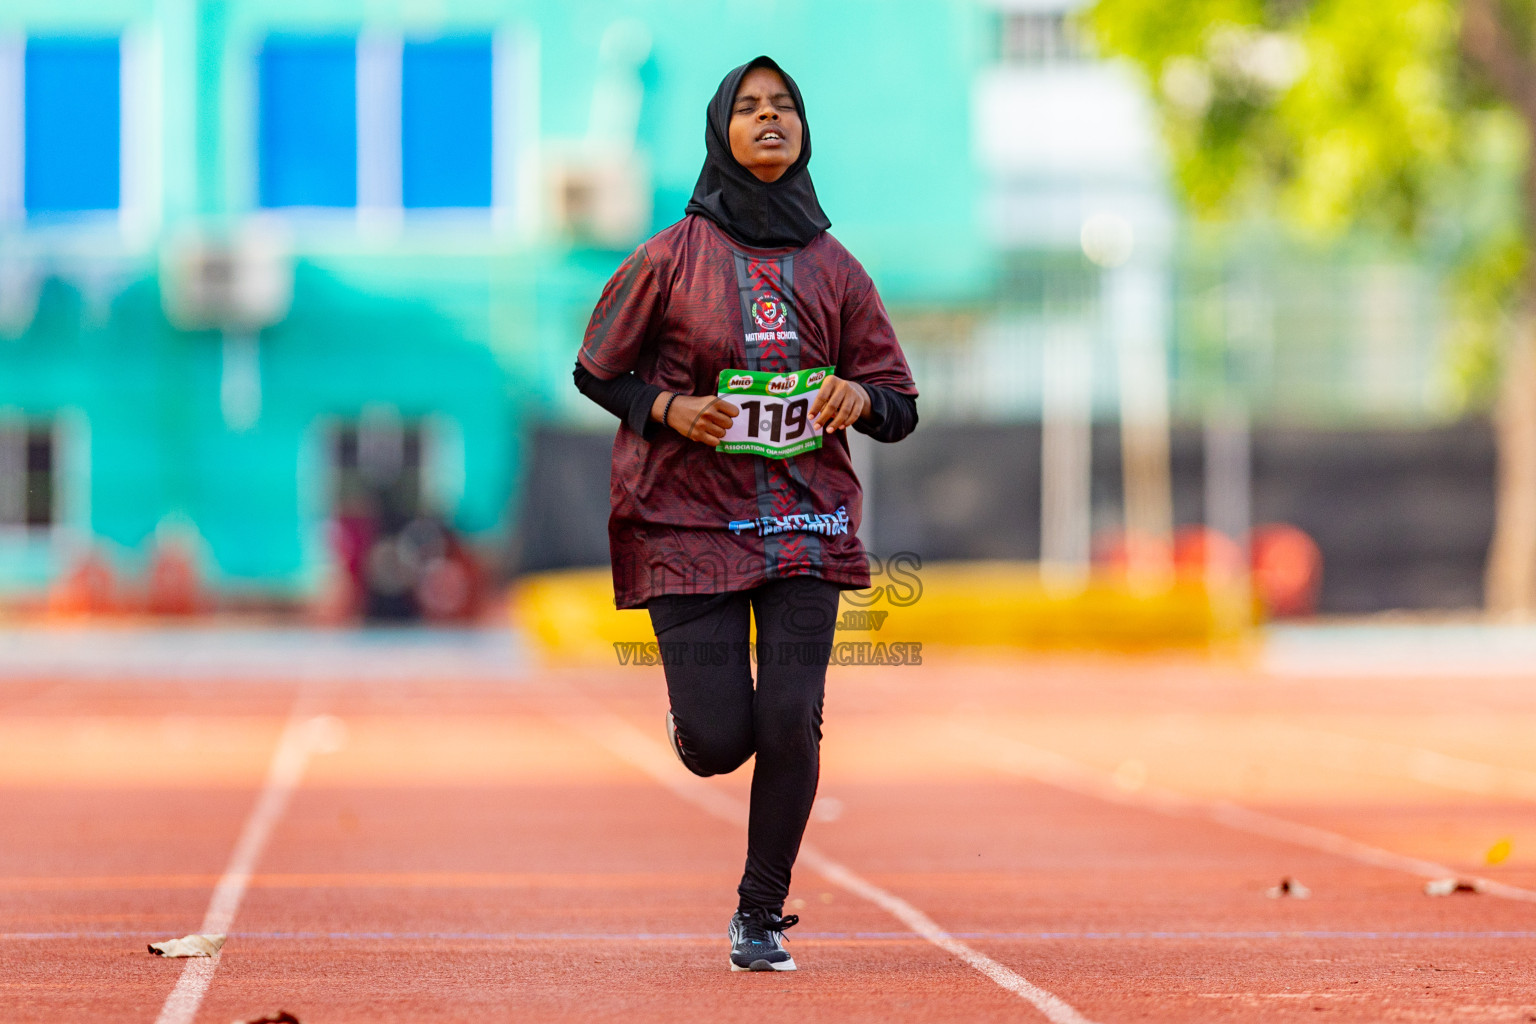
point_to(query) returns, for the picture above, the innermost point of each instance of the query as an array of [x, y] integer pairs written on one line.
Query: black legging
[[722, 719]]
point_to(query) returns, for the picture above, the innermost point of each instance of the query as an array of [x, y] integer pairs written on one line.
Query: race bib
[[775, 417]]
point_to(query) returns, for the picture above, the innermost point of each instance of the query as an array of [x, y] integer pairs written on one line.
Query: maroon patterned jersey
[[683, 307]]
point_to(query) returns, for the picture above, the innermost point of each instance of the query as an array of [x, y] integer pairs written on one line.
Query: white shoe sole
[[786, 965], [672, 740]]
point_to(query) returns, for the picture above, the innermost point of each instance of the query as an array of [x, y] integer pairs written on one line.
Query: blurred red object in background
[[1286, 564], [1287, 570], [340, 599], [173, 587], [88, 587], [452, 586], [1201, 553]]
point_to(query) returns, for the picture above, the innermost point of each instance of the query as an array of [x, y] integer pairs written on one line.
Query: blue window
[[445, 123], [73, 125], [308, 134]]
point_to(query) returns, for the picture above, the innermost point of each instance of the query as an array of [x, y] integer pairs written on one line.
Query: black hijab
[[766, 214]]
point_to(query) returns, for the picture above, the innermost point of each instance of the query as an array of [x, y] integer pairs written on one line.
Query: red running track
[[523, 849]]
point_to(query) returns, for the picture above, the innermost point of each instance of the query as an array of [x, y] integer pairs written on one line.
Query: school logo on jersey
[[768, 312]]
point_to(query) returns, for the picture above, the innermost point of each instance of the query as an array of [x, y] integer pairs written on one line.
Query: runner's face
[[765, 127]]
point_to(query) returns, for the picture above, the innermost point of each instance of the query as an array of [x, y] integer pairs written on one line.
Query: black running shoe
[[757, 941]]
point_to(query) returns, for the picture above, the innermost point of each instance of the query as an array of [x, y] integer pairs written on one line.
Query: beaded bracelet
[[666, 410]]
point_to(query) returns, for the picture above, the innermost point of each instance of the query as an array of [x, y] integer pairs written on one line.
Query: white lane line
[[652, 758], [301, 738], [1055, 1009], [1020, 758], [1421, 764]]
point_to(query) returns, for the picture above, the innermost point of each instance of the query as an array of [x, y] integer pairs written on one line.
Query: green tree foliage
[[1346, 116]]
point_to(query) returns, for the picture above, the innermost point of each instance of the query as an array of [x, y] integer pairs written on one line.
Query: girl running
[[736, 347]]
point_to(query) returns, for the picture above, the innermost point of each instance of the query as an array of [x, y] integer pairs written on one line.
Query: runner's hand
[[702, 418], [839, 404]]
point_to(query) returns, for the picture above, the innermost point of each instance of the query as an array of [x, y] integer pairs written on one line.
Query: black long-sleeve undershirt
[[626, 396], [892, 415]]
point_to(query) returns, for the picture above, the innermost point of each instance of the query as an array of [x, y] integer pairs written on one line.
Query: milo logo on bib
[[775, 420]]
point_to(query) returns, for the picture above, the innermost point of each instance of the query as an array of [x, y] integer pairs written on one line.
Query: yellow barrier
[[569, 616]]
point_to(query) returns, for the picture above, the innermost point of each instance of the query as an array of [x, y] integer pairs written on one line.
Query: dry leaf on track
[[1288, 887], [188, 945]]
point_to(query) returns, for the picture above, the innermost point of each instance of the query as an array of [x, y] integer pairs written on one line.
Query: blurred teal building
[[253, 250], [258, 255]]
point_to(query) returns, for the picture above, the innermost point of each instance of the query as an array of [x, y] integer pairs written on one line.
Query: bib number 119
[[775, 420], [774, 417]]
